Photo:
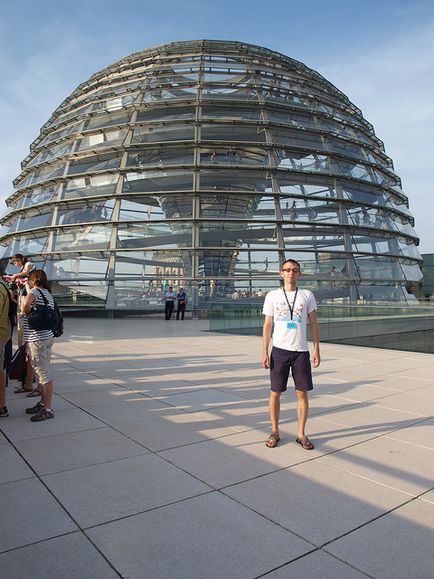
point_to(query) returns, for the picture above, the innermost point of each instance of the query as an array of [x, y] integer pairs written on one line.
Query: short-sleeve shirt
[[30, 335], [275, 305]]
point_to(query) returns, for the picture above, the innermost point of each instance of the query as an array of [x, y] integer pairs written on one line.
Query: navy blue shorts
[[282, 361]]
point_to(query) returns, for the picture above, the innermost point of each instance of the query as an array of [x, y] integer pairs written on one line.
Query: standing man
[[181, 298], [169, 302], [289, 308]]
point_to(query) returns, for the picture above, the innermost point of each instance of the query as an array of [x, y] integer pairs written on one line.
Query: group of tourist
[[28, 288]]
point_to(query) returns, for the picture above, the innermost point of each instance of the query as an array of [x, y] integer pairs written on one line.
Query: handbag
[[17, 367], [42, 317]]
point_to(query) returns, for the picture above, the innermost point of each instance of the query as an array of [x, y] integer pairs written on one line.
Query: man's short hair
[[290, 261]]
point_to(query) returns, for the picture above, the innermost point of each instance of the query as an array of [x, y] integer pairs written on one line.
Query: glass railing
[[396, 327]]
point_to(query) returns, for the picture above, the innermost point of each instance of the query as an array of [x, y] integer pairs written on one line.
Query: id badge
[[291, 325]]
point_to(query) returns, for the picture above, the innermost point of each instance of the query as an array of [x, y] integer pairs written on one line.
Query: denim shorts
[[284, 361]]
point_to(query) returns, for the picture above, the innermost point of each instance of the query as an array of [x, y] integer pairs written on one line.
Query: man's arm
[[316, 360], [266, 337]]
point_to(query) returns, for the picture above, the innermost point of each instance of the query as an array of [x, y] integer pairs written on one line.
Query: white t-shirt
[[286, 336]]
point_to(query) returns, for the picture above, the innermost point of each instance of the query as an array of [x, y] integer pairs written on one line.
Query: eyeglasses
[[288, 269]]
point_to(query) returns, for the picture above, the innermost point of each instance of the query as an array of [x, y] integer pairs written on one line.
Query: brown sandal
[[305, 443], [21, 389], [272, 441]]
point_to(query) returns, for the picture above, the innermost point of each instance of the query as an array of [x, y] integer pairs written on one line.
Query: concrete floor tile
[[169, 427], [316, 501], [404, 550], [72, 556], [135, 408], [77, 449], [209, 536], [423, 373], [420, 403], [203, 400], [429, 497], [88, 399], [404, 467], [357, 391], [30, 513], [13, 467], [233, 459], [421, 434], [21, 428], [372, 417], [316, 565], [104, 492]]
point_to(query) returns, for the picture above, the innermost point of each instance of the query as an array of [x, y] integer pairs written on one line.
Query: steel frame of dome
[[205, 164]]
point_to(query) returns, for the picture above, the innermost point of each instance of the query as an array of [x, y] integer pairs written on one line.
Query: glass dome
[[204, 164]]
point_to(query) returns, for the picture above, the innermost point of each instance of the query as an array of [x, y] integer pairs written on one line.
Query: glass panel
[[232, 113], [166, 113], [84, 238], [169, 235], [291, 184], [61, 133], [296, 138], [43, 174], [235, 181], [233, 133], [91, 164], [84, 267], [90, 186], [52, 153], [357, 171], [102, 139], [302, 161], [224, 263], [39, 195], [158, 181], [163, 133], [412, 272], [243, 155], [152, 207], [101, 211], [222, 206], [376, 267], [33, 222], [29, 245], [101, 121], [173, 93], [161, 157], [291, 119], [233, 234], [168, 265]]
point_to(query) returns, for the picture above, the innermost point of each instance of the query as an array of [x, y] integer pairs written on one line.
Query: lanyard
[[291, 309]]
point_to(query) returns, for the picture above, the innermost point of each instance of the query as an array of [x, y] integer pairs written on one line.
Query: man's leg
[[302, 414], [178, 311], [274, 408]]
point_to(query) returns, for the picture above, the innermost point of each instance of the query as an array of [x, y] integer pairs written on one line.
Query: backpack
[[43, 317], [58, 330]]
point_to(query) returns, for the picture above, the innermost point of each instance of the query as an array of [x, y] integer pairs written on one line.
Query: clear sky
[[378, 52]]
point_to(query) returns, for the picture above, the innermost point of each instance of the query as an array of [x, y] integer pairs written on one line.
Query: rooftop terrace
[[155, 465]]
